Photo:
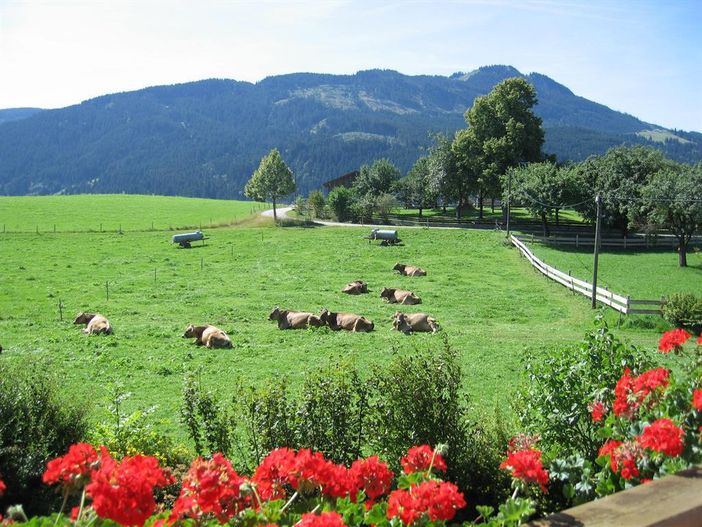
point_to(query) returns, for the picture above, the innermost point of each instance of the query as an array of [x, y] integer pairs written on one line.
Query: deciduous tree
[[502, 132], [271, 180], [672, 200]]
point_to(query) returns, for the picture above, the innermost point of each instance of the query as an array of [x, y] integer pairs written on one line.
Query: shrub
[[683, 310], [340, 201], [316, 203], [553, 402], [37, 423], [415, 398], [384, 205], [300, 206], [133, 433]]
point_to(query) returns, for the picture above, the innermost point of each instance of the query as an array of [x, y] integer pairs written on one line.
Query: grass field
[[90, 212], [491, 305], [641, 274]]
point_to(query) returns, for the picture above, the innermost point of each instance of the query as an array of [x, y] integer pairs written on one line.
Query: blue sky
[[641, 57]]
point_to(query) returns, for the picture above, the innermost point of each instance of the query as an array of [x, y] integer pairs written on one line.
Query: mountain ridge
[[205, 138]]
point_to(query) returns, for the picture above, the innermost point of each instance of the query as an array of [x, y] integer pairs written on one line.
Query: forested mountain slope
[[205, 138]]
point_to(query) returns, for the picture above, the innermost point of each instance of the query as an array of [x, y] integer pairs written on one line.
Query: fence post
[[572, 287], [577, 241]]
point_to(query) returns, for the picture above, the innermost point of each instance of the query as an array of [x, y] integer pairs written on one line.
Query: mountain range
[[206, 138]]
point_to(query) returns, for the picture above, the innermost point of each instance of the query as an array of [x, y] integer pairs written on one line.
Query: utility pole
[[598, 219], [509, 198]]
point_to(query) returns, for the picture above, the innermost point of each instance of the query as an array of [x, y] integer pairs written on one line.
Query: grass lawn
[[641, 274], [516, 213], [491, 305], [91, 212]]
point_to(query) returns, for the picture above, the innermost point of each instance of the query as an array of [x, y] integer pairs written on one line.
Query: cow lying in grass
[[356, 287], [96, 323], [409, 322], [294, 319], [399, 296], [347, 321], [409, 270], [208, 336]]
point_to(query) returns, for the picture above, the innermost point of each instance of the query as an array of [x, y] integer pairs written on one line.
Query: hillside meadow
[[639, 273], [112, 212], [491, 305]]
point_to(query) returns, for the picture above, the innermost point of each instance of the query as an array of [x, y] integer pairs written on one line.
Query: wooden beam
[[674, 500]]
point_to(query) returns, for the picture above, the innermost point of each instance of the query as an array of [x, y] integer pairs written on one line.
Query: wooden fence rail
[[623, 304], [621, 243]]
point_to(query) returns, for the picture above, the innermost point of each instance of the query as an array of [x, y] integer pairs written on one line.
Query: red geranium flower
[[527, 466], [340, 483], [597, 411], [273, 474], [623, 388], [649, 381], [325, 519], [73, 469], [124, 492], [699, 340], [438, 500], [372, 476], [663, 436], [673, 340], [697, 399], [419, 459], [2, 487], [210, 487]]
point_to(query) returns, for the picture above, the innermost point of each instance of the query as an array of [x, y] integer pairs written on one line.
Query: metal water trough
[[388, 237], [185, 238]]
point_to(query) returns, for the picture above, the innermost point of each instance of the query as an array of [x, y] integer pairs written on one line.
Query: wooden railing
[[619, 243], [674, 500], [623, 304]]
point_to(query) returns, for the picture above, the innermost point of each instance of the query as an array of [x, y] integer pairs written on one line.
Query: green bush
[[133, 433], [414, 399], [340, 201], [316, 203], [683, 310], [37, 423], [554, 401]]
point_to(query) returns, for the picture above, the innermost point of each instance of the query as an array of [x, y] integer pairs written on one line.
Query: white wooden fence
[[623, 304], [621, 243]]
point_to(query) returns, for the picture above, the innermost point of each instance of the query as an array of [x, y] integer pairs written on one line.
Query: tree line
[[499, 155]]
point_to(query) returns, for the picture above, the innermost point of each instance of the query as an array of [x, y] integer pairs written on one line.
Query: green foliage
[[683, 310], [416, 398], [272, 179], [38, 422], [502, 132], [316, 204], [672, 201], [340, 201], [554, 401], [376, 179], [416, 190], [134, 433], [619, 176], [543, 188]]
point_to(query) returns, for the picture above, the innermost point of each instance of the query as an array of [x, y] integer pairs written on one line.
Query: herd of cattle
[[213, 337]]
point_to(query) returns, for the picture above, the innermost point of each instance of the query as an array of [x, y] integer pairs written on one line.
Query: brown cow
[[409, 322], [208, 336], [347, 321], [399, 296], [96, 323], [409, 270], [294, 319], [356, 287]]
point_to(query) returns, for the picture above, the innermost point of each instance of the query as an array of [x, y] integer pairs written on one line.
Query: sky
[[642, 57]]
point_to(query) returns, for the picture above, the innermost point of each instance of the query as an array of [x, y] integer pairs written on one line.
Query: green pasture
[[516, 214], [646, 274], [491, 305], [91, 212]]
